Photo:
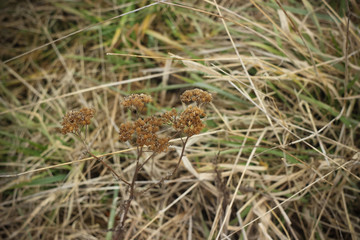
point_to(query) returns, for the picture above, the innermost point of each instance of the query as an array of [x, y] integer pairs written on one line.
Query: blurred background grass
[[285, 118]]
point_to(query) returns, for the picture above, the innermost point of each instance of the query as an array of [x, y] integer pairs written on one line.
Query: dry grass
[[279, 158]]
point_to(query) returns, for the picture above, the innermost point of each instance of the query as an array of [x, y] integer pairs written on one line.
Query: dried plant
[[143, 133], [196, 95], [75, 120]]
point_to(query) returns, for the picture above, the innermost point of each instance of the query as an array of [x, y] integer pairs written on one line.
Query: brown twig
[[78, 134], [119, 230], [174, 170]]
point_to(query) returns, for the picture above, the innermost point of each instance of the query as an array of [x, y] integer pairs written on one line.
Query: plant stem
[[174, 170], [141, 165], [100, 160], [123, 214], [110, 168]]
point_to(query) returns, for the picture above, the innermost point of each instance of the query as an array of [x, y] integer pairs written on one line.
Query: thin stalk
[[174, 170], [124, 212], [100, 160], [142, 164]]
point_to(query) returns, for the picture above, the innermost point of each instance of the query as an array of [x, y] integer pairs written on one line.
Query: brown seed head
[[74, 120], [137, 101], [169, 117], [126, 131], [196, 95], [143, 132], [189, 121]]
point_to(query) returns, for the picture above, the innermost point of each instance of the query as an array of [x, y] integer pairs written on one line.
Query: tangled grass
[[278, 158]]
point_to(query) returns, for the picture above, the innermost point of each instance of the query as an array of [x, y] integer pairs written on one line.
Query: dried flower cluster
[[196, 95], [189, 121], [143, 132], [137, 101], [169, 116], [74, 120]]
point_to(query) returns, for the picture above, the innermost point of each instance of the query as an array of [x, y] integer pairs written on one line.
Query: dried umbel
[[126, 131], [75, 120], [189, 121], [196, 95], [143, 132], [137, 101], [169, 116]]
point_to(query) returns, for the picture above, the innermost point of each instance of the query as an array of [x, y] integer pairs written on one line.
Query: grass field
[[279, 157]]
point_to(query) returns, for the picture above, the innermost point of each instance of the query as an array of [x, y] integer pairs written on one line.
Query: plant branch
[[174, 170], [151, 156], [99, 159], [124, 212]]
